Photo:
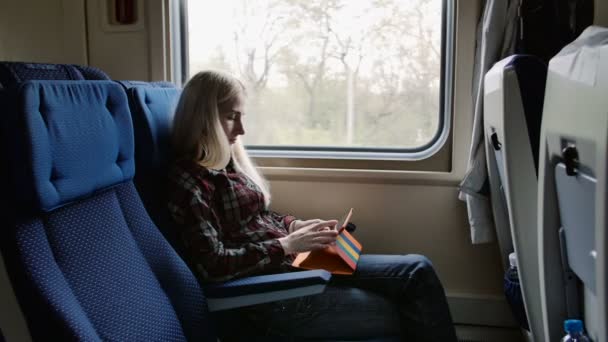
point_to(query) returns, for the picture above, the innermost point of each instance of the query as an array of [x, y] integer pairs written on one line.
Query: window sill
[[362, 176]]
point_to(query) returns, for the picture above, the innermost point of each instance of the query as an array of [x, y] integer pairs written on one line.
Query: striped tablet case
[[341, 258]]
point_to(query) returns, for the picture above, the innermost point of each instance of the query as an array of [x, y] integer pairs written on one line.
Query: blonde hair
[[197, 132]]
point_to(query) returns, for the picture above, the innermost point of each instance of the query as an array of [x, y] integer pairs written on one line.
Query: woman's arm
[[190, 207], [290, 223], [216, 262]]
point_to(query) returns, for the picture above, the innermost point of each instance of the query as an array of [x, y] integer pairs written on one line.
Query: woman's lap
[[338, 313], [387, 295], [410, 283]]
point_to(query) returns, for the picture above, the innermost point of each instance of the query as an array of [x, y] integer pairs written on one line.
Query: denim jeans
[[388, 295]]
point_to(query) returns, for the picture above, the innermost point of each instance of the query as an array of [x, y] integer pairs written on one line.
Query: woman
[[219, 203]]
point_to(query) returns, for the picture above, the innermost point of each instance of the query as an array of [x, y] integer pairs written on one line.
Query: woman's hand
[[312, 236], [299, 224]]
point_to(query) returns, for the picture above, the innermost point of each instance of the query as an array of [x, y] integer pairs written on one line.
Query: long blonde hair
[[197, 132]]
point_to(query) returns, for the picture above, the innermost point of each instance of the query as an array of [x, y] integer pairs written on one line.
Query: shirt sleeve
[[212, 259], [282, 220]]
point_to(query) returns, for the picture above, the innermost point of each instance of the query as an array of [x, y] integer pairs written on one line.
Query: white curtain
[[496, 38]]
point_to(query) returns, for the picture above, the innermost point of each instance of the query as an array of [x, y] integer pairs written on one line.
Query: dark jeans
[[389, 295]]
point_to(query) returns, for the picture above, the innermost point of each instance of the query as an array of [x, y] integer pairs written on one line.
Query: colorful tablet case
[[341, 258]]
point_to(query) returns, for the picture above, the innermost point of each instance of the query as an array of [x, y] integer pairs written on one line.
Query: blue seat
[[12, 74], [85, 258], [86, 261], [152, 107]]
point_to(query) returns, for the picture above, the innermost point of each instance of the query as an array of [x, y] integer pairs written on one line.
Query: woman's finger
[[329, 233], [312, 221], [324, 224], [318, 225]]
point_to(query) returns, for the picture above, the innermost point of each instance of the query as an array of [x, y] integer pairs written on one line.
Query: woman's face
[[231, 119]]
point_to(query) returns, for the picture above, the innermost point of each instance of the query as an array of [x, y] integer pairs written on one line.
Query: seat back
[[572, 198], [152, 106], [513, 101], [85, 259], [11, 75]]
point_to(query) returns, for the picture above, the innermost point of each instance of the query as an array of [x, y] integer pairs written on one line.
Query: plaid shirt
[[224, 224]]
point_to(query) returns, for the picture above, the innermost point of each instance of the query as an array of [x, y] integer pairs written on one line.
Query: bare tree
[[371, 77], [315, 20], [408, 72], [258, 43]]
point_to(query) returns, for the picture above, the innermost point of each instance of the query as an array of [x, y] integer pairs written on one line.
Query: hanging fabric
[[497, 35]]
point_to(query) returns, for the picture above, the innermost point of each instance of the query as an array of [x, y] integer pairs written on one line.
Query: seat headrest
[[65, 140], [13, 73], [153, 110]]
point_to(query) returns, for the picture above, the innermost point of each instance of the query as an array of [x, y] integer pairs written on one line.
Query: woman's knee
[[420, 260], [404, 267], [422, 269]]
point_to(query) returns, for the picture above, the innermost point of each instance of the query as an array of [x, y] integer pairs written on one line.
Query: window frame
[[432, 156]]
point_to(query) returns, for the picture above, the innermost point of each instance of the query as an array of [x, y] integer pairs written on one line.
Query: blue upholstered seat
[[86, 260], [13, 74], [152, 108]]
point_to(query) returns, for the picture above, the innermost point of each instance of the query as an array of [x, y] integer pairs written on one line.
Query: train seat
[[513, 104], [11, 75], [572, 187], [152, 107], [85, 258]]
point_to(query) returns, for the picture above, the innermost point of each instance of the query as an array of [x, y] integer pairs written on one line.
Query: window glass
[[327, 73]]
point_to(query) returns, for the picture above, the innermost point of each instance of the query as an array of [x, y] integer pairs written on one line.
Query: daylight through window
[[327, 73]]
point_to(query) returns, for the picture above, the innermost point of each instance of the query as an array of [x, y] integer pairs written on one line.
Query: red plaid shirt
[[223, 223]]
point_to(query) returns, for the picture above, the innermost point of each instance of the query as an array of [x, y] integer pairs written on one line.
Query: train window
[[333, 78]]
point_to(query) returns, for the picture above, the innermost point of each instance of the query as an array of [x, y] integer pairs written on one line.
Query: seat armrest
[[264, 289]]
